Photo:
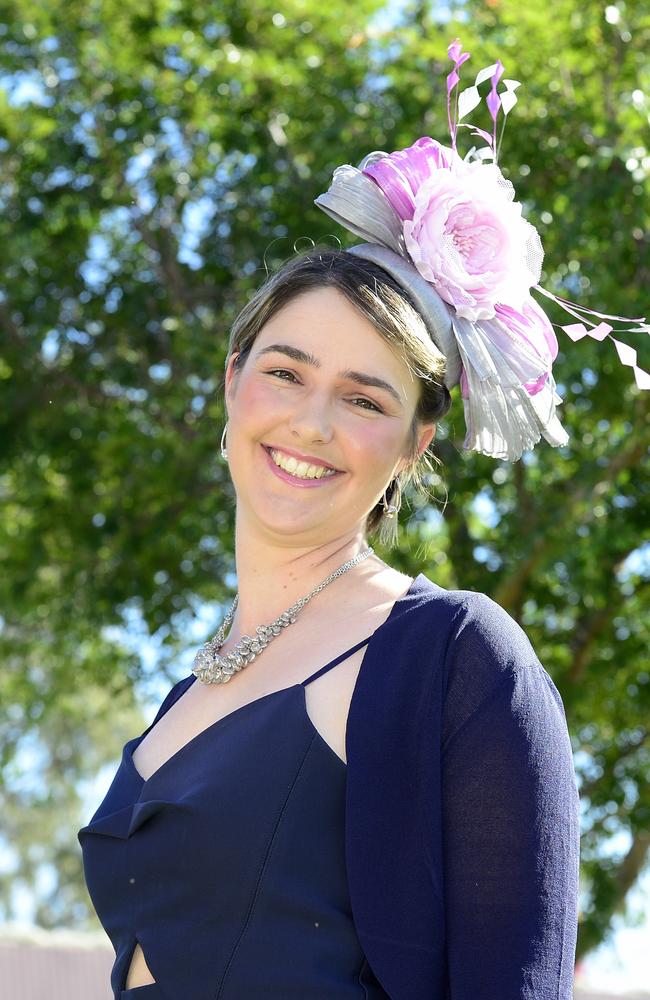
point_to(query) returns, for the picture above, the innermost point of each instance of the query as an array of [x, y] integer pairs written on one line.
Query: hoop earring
[[224, 453], [392, 509]]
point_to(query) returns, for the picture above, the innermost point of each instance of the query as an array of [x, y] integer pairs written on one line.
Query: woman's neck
[[272, 577]]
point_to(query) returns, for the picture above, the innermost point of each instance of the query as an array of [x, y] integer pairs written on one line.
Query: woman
[[380, 802], [462, 833]]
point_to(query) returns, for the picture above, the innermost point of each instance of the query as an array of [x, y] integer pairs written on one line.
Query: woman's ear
[[231, 374], [426, 434]]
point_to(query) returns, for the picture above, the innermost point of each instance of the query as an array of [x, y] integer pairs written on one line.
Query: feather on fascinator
[[450, 232]]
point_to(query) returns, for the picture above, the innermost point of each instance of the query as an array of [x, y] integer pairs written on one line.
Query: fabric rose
[[469, 239], [462, 228]]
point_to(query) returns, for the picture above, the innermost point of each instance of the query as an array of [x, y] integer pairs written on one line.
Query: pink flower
[[468, 238], [462, 228]]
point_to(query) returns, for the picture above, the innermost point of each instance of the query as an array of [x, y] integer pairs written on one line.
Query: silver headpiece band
[[426, 300]]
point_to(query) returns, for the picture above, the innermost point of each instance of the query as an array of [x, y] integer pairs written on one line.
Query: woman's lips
[[309, 459], [294, 480]]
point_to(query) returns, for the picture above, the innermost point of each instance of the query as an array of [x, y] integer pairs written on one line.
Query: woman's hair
[[390, 310]]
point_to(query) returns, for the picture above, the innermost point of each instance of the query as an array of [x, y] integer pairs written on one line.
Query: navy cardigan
[[462, 810]]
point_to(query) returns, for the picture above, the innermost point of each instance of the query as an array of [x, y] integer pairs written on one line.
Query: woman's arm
[[511, 840]]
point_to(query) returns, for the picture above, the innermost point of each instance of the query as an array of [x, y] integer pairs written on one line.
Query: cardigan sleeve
[[510, 821]]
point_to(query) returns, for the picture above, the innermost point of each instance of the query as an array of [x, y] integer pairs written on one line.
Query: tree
[[156, 159]]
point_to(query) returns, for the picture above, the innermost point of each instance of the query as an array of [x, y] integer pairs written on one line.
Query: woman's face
[[320, 386]]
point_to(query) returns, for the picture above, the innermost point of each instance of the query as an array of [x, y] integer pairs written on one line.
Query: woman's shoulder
[[486, 651], [469, 615], [469, 630]]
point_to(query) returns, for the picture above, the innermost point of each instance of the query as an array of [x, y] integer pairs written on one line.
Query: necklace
[[211, 668]]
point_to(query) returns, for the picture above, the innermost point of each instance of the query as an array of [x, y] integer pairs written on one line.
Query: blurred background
[[156, 158]]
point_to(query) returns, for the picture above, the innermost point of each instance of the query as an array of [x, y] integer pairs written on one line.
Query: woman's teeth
[[302, 470]]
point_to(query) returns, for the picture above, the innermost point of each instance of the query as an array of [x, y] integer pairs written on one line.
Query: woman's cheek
[[374, 444], [261, 399]]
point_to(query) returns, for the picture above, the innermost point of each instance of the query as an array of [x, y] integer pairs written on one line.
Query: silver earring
[[224, 453], [392, 509]]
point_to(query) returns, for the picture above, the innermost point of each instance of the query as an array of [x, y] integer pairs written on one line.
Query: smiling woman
[[370, 794], [353, 307]]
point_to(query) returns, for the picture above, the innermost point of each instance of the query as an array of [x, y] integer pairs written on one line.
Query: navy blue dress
[[228, 866]]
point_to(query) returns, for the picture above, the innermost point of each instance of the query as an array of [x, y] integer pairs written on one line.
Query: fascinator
[[449, 230]]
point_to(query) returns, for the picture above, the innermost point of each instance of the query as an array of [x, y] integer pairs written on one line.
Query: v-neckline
[[132, 745]]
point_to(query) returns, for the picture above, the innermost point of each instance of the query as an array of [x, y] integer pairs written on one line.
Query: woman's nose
[[311, 420]]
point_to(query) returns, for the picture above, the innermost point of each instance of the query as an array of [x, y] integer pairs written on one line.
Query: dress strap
[[333, 663], [171, 697]]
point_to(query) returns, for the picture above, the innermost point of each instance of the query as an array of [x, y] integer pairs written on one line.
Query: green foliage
[[166, 154]]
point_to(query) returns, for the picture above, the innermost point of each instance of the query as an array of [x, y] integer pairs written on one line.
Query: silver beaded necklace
[[211, 668]]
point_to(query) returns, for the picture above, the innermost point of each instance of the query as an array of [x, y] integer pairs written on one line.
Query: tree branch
[[509, 593], [587, 788], [591, 626]]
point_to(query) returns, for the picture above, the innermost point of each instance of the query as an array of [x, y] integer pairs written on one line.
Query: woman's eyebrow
[[308, 359]]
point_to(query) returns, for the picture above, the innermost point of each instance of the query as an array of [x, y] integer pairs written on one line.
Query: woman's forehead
[[325, 324]]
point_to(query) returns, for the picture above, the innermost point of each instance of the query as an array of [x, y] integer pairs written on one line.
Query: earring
[[392, 509], [224, 453]]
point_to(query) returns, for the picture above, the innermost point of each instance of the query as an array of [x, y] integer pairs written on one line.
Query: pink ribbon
[[599, 331]]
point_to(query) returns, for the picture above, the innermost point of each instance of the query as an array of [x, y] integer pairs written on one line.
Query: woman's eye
[[367, 403], [280, 372]]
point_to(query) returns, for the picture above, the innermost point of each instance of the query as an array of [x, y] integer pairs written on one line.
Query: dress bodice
[[227, 864]]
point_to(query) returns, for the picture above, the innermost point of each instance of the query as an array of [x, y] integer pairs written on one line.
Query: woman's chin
[[283, 518]]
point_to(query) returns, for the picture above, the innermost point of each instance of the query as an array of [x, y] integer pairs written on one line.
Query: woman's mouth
[[287, 468]]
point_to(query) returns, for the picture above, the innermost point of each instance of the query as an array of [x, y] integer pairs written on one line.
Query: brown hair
[[387, 305]]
